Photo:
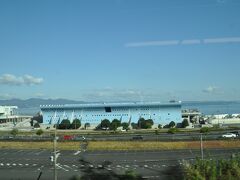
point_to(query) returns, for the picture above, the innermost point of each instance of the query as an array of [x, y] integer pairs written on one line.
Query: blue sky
[[114, 50]]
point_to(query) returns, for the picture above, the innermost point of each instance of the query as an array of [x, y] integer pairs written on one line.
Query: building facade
[[129, 112], [8, 114]]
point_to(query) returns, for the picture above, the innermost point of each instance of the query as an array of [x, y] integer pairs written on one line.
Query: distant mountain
[[36, 102]]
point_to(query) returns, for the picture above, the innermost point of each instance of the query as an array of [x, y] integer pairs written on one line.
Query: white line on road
[[76, 153], [67, 166], [59, 166]]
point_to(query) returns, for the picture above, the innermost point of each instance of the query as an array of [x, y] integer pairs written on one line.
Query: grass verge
[[122, 145]]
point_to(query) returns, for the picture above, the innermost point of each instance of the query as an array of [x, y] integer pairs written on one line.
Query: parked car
[[229, 135], [236, 132]]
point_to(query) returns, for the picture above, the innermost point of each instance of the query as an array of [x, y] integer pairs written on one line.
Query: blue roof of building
[[117, 104]]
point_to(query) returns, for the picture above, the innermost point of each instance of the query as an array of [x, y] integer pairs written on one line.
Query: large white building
[[8, 114], [94, 113]]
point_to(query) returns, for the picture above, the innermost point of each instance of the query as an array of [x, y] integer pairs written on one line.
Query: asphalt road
[[28, 164], [126, 137]]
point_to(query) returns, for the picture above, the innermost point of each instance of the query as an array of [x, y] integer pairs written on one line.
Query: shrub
[[204, 130], [213, 169], [14, 132], [39, 132], [160, 126]]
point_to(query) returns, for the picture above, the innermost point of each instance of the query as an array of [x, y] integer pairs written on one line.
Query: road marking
[[39, 152], [58, 165], [2, 164], [34, 165], [145, 166], [20, 164], [67, 166], [91, 166], [8, 164], [26, 164], [76, 153], [14, 164], [100, 166]]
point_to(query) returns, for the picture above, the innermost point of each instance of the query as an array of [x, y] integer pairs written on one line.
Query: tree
[[115, 124], [148, 123], [160, 126], [145, 124], [105, 123], [36, 125], [76, 124], [134, 125], [125, 125], [86, 125], [39, 132], [141, 123], [172, 124], [65, 124], [185, 123], [38, 117]]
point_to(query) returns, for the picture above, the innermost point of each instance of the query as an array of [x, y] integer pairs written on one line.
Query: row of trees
[[66, 124], [106, 124]]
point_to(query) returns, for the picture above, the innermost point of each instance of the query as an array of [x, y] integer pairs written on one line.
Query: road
[[125, 137], [27, 164]]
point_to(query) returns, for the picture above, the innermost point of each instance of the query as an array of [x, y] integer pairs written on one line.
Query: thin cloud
[[185, 42], [153, 43], [222, 40], [10, 79], [191, 41], [212, 90]]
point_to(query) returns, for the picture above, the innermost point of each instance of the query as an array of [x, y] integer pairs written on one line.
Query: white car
[[229, 135]]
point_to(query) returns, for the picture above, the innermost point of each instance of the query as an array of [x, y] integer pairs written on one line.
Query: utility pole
[[55, 152], [201, 146]]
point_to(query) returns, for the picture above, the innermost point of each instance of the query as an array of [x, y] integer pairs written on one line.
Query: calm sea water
[[207, 108]]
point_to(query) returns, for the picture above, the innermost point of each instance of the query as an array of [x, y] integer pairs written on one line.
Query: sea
[[206, 108]]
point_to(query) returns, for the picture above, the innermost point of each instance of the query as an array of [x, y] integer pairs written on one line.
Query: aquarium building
[[131, 112]]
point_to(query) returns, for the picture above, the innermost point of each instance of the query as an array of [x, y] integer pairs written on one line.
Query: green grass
[[121, 145]]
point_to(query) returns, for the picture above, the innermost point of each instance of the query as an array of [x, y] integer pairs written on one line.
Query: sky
[[120, 50]]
